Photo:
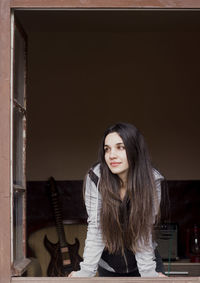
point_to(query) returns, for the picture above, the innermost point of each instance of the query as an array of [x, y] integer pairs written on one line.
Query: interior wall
[[81, 82]]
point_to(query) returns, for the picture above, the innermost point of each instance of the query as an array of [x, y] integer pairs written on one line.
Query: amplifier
[[166, 236]]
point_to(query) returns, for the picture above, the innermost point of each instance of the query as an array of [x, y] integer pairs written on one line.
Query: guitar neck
[[58, 219]]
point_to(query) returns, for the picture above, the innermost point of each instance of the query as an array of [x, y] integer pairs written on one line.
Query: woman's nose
[[113, 153]]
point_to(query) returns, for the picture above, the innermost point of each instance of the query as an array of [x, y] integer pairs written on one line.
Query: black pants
[[159, 268]]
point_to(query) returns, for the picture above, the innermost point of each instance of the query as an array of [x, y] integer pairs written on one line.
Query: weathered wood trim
[[5, 233], [20, 266], [106, 280], [175, 4]]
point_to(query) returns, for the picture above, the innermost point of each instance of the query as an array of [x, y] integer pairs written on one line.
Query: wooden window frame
[[19, 261], [5, 119]]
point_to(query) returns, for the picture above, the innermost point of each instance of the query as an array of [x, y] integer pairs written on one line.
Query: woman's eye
[[106, 149], [121, 147]]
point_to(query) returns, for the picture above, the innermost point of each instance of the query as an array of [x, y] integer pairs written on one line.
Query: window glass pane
[[19, 68], [18, 239], [18, 147]]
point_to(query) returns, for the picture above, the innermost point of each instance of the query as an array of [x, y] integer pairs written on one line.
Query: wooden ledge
[[105, 280]]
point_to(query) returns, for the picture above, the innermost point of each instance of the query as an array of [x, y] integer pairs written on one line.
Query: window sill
[[105, 280]]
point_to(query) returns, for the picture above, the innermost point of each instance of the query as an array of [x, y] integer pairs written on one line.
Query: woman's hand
[[71, 274], [160, 274]]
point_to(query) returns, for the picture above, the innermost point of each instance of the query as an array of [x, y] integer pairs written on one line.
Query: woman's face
[[115, 155]]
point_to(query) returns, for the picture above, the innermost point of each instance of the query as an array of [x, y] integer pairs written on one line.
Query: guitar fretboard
[[57, 214]]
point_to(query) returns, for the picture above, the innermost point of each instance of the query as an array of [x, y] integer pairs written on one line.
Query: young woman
[[122, 197]]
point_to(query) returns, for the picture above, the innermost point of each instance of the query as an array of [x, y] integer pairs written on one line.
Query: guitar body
[[56, 266], [64, 257]]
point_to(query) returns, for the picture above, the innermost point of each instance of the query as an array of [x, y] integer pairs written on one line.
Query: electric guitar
[[64, 256]]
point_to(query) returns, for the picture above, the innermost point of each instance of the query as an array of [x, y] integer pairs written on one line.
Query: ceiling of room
[[109, 20]]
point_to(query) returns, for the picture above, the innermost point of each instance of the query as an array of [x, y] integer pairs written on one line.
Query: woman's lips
[[115, 164]]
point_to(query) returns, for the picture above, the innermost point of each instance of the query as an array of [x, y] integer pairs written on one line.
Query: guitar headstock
[[52, 185]]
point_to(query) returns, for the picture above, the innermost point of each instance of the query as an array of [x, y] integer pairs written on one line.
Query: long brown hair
[[125, 223]]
